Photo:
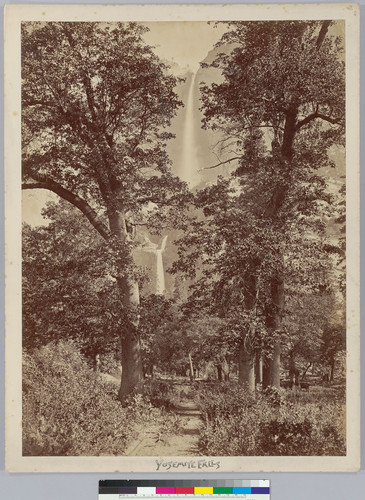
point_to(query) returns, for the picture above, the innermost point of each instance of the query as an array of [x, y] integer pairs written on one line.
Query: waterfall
[[189, 164], [160, 273]]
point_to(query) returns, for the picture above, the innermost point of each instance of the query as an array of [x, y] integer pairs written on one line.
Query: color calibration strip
[[250, 489]]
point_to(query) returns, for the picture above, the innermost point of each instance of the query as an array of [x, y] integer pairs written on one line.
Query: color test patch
[[256, 489]]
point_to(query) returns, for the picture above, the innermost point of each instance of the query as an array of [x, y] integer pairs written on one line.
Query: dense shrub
[[160, 393], [271, 423], [67, 409]]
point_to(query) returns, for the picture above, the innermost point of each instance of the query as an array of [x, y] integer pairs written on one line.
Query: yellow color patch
[[203, 491]]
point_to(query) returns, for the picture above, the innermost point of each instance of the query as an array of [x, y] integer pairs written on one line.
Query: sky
[[184, 43]]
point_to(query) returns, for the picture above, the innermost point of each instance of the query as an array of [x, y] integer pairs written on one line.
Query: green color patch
[[222, 491]]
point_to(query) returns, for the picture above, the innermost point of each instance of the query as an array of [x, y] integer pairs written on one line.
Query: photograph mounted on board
[[186, 295]]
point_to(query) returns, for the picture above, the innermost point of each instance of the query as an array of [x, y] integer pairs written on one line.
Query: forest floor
[[156, 440]]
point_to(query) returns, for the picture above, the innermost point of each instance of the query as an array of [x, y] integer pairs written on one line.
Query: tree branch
[[82, 205], [313, 116], [322, 33], [220, 163]]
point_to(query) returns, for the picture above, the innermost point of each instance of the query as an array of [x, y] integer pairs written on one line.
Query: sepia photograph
[[187, 280]]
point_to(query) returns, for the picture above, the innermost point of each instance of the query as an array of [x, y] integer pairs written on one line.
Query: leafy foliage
[[68, 292], [236, 424], [67, 409], [96, 101], [264, 236]]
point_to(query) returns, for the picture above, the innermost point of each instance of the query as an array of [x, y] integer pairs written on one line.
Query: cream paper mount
[[182, 38]]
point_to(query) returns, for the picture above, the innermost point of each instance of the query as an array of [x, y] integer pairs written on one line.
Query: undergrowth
[[272, 423], [70, 410]]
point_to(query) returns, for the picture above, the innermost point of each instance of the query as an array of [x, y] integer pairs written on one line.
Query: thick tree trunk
[[271, 369], [132, 370], [132, 373], [277, 297], [219, 372], [266, 372], [246, 369], [275, 365]]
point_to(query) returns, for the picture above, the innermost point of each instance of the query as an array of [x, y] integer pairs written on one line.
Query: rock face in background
[[204, 140], [190, 152]]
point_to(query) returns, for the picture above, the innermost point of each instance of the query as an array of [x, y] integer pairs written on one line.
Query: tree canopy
[[279, 109], [96, 103]]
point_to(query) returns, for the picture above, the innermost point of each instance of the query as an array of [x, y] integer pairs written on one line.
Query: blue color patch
[[241, 490]]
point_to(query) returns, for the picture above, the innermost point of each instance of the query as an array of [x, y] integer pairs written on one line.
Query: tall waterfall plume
[[189, 163], [160, 273], [159, 269]]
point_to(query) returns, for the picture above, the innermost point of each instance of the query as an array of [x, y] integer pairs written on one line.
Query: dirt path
[[152, 442]]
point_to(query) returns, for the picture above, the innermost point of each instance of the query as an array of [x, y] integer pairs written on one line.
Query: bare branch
[[322, 33], [220, 163], [46, 183]]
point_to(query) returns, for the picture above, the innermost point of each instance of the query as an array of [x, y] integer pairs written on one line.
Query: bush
[[223, 400], [67, 409], [160, 393], [271, 423]]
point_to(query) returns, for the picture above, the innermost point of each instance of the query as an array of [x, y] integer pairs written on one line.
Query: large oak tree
[[96, 103], [279, 109]]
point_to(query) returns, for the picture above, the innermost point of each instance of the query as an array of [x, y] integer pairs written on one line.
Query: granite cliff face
[[188, 125]]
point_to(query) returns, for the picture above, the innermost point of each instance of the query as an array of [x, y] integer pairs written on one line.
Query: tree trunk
[[275, 365], [246, 369], [277, 296], [191, 367], [305, 371], [271, 374], [132, 370], [132, 373], [292, 368], [265, 372], [97, 363], [226, 365], [258, 368], [219, 372], [271, 368]]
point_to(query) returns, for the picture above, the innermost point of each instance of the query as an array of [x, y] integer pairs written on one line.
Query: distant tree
[[157, 318], [333, 342], [96, 101]]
